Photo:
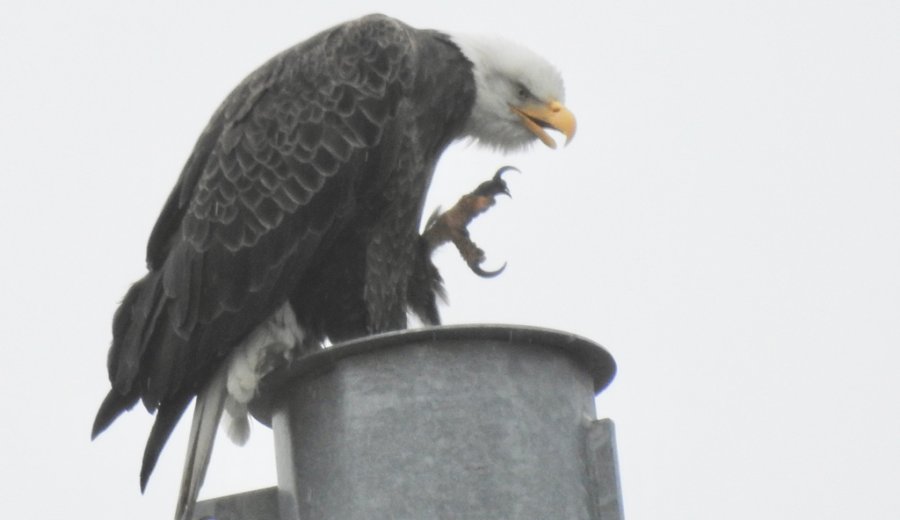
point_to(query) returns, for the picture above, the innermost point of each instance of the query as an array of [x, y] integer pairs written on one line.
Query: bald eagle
[[296, 218]]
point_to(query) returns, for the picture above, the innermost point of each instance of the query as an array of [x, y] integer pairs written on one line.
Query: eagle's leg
[[451, 225]]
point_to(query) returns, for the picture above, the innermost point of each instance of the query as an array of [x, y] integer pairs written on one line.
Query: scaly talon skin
[[451, 226]]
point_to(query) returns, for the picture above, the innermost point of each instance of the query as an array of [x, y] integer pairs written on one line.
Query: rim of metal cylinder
[[596, 360]]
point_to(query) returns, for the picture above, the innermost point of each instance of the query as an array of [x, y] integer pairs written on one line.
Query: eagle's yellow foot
[[451, 225]]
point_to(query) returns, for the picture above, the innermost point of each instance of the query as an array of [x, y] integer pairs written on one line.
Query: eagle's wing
[[271, 176]]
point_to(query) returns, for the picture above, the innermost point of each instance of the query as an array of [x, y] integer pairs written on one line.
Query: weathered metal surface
[[592, 357], [603, 468], [482, 422]]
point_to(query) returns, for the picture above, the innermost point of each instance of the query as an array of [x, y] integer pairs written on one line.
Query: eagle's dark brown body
[[307, 186]]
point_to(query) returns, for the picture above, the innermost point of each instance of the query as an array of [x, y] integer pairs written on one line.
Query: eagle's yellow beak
[[550, 115]]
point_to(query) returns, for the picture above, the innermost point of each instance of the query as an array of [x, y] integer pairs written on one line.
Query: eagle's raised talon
[[451, 225]]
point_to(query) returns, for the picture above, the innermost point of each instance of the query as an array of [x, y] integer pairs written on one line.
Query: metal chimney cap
[[596, 360]]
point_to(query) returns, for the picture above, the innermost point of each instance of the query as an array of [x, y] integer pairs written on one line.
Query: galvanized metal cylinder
[[482, 422]]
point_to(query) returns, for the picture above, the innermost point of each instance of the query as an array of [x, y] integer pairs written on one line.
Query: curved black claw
[[505, 169], [486, 274], [495, 186], [498, 178]]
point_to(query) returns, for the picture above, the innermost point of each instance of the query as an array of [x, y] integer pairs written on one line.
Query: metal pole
[[477, 422]]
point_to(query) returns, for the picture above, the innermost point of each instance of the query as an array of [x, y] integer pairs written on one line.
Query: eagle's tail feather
[[166, 418], [207, 413], [122, 360], [113, 406]]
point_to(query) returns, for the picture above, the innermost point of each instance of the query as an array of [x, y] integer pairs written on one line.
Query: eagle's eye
[[523, 92]]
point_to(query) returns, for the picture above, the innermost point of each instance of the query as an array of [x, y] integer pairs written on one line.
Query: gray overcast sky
[[725, 222]]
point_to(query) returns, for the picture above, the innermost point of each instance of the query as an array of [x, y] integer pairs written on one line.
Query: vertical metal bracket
[[603, 470], [260, 504]]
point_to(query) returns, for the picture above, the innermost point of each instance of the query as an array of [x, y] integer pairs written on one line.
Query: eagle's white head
[[519, 95]]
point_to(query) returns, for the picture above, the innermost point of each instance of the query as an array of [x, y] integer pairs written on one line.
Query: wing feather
[[269, 180]]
